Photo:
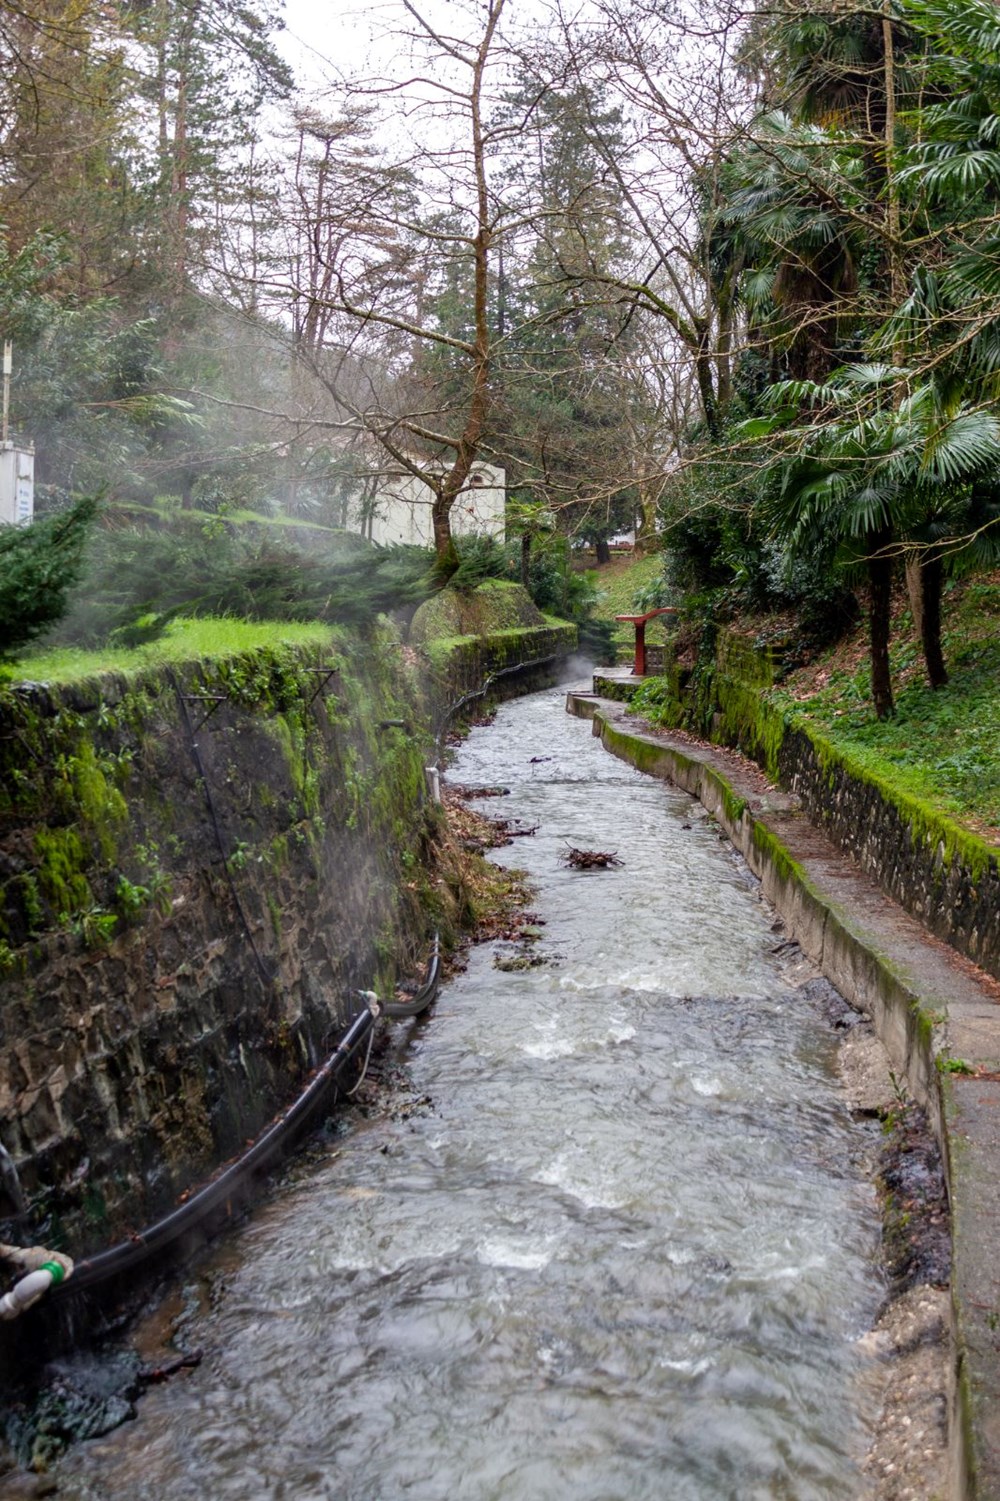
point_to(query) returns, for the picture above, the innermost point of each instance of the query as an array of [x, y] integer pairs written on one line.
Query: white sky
[[327, 39]]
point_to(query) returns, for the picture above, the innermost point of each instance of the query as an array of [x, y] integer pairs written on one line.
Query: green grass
[[279, 521], [184, 640], [283, 522], [941, 746], [617, 585]]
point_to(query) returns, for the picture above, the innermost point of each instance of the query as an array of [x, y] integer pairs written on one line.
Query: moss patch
[[62, 862], [183, 641], [496, 605]]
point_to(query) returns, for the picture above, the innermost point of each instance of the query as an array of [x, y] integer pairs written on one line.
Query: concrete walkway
[[937, 1015]]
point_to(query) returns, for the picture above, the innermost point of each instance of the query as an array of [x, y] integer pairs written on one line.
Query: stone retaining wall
[[944, 876], [461, 665], [178, 950], [939, 871]]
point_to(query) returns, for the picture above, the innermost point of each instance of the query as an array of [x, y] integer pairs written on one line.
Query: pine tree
[[38, 566]]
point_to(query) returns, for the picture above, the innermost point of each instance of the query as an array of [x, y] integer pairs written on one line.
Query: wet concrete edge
[[928, 1009]]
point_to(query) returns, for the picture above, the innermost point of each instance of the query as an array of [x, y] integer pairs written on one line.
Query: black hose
[[424, 995], [468, 698], [137, 1248]]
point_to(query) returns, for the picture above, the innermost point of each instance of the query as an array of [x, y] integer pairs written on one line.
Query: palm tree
[[792, 202], [885, 475]]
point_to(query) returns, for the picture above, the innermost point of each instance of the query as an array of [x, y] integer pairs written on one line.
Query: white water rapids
[[625, 1253]]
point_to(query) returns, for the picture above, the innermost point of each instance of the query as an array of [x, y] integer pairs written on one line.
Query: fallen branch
[[591, 859], [161, 1373]]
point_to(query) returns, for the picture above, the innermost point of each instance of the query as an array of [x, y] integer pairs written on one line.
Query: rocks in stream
[[518, 955], [916, 1232], [81, 1397]]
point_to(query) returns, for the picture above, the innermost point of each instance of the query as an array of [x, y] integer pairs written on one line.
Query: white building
[[400, 508], [17, 484]]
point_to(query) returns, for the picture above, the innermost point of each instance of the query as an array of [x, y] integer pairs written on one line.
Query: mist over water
[[624, 1253]]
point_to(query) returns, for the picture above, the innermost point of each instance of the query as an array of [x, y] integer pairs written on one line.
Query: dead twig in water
[[164, 1372], [591, 859]]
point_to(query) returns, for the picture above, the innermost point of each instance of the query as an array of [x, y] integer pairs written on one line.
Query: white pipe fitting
[[26, 1292], [35, 1285]]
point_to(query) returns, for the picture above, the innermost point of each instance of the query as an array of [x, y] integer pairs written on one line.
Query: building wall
[[402, 509]]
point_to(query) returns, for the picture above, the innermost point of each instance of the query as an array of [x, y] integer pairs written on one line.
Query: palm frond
[[957, 171], [867, 509], [963, 447], [798, 393], [757, 287], [974, 272], [971, 26]]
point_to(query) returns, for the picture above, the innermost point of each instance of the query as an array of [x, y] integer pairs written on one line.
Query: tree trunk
[[603, 551], [915, 589], [724, 312], [525, 558], [897, 277], [879, 610], [704, 374], [932, 577], [446, 553], [646, 539], [467, 447]]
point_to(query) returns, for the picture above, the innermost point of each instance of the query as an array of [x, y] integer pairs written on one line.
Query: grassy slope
[[617, 582], [184, 640], [165, 514], [943, 746]]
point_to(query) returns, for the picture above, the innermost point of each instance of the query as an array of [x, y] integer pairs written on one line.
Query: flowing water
[[625, 1251]]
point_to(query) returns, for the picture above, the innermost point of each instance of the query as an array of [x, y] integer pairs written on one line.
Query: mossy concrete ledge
[[492, 641], [938, 1018], [946, 875]]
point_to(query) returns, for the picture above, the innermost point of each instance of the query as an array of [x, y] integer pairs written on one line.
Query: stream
[[622, 1245]]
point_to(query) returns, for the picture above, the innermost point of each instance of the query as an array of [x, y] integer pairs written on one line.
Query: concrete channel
[[937, 1016]]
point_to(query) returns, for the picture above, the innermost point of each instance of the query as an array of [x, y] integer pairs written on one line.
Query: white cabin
[[400, 510], [17, 485]]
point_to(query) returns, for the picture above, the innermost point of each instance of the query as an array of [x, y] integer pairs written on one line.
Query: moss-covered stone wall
[[493, 637], [181, 929], [942, 873], [179, 948]]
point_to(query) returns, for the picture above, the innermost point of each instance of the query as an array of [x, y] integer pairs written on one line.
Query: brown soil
[[909, 1346]]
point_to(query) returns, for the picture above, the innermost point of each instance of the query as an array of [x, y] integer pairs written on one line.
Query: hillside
[[618, 583], [941, 746]]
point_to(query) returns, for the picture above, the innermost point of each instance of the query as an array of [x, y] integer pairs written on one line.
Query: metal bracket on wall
[[215, 699], [326, 673]]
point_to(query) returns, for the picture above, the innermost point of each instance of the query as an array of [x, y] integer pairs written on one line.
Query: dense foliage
[[754, 306], [139, 579], [863, 217], [38, 566]]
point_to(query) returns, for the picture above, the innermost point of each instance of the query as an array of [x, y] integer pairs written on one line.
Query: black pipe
[[424, 995], [137, 1248], [501, 672]]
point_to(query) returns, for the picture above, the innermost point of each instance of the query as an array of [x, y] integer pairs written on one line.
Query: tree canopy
[[610, 253]]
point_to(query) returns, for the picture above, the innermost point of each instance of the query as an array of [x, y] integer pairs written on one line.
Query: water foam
[[520, 1255]]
